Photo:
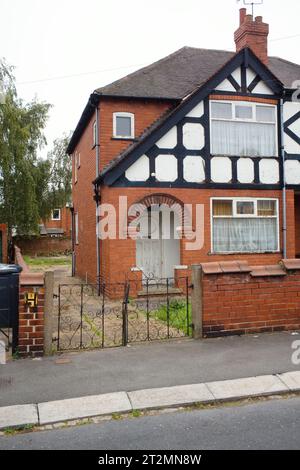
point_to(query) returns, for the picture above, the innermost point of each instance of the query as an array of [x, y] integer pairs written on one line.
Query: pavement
[[145, 366], [150, 399], [74, 386], [272, 424]]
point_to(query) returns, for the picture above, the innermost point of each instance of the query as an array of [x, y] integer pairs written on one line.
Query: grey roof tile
[[175, 77], [180, 73]]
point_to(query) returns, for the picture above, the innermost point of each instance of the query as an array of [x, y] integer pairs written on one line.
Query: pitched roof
[[174, 77], [235, 59], [178, 74]]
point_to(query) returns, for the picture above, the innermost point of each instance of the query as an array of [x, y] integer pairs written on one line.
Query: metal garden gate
[[105, 315]]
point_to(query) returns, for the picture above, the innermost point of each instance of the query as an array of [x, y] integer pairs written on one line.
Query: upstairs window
[[76, 227], [243, 129], [76, 166], [123, 125], [245, 225], [94, 133], [56, 214]]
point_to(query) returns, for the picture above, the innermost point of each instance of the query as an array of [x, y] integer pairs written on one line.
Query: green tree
[[60, 179], [21, 171]]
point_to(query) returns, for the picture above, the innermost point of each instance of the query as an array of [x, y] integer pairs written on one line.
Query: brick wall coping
[[27, 278], [226, 267], [32, 279], [231, 267], [20, 260], [261, 271], [291, 264]]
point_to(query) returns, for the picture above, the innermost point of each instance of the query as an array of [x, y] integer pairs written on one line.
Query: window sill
[[246, 253], [124, 138]]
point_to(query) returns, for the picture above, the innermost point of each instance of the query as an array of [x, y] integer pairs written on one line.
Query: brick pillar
[[291, 231], [31, 318]]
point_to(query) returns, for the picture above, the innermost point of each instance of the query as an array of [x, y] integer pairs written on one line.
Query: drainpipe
[[284, 218], [97, 198], [73, 240]]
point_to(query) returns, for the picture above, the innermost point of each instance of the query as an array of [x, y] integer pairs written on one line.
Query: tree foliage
[[30, 187]]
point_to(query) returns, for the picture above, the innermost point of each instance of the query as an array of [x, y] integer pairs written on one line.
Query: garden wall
[[238, 299], [44, 246]]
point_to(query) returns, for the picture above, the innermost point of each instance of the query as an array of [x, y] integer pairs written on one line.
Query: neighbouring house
[[3, 244], [208, 128], [54, 236], [58, 225]]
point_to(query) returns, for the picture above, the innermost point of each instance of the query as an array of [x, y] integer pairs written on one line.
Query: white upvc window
[[76, 228], [55, 214], [242, 128], [94, 133], [244, 225], [123, 125], [75, 166]]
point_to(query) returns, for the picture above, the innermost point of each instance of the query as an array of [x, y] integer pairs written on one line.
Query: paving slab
[[170, 396], [18, 415], [247, 387], [291, 380], [84, 407]]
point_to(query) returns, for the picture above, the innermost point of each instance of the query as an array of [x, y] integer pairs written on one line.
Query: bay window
[[245, 225], [243, 129]]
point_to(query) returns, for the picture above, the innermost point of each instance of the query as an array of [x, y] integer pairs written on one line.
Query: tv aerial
[[252, 3]]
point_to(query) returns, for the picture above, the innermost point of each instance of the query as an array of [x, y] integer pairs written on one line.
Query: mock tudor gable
[[177, 151]]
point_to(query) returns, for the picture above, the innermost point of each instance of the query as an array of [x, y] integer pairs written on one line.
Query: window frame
[[254, 105], [75, 166], [76, 228], [94, 134], [235, 215], [127, 115], [56, 218]]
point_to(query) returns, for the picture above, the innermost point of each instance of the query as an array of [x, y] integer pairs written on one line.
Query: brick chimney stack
[[252, 34]]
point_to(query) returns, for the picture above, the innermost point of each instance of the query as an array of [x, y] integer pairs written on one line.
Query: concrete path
[[124, 402], [144, 366]]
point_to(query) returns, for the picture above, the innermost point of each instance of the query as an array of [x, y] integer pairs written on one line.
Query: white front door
[[158, 249]]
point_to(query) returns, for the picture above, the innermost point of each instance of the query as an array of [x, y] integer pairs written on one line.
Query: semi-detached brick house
[[197, 127]]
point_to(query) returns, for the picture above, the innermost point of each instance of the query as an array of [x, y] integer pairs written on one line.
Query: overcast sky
[[64, 49]]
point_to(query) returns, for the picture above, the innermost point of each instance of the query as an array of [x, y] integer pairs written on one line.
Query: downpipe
[[284, 209]]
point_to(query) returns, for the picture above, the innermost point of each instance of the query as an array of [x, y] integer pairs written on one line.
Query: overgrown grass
[[177, 314], [44, 261]]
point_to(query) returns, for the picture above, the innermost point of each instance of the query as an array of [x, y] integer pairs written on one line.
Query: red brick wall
[[145, 113], [3, 229], [44, 246], [119, 256], [235, 304], [297, 224], [84, 204], [83, 192]]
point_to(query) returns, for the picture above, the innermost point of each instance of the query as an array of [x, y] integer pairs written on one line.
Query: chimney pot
[[243, 13], [248, 19], [259, 19]]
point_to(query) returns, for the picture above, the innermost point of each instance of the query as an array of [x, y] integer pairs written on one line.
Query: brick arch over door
[[162, 199], [157, 245]]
